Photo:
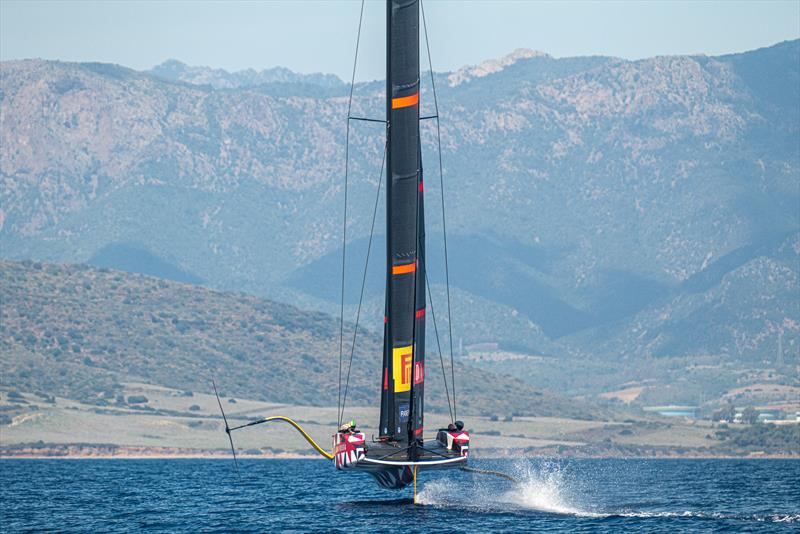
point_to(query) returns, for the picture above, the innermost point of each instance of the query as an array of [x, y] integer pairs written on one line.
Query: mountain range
[[623, 220], [177, 71]]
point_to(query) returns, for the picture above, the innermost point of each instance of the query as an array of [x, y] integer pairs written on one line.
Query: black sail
[[404, 323]]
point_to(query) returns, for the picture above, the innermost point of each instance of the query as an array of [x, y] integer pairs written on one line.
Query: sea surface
[[310, 496]]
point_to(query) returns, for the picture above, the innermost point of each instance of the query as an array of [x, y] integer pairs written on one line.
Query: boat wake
[[546, 488], [760, 518], [543, 488]]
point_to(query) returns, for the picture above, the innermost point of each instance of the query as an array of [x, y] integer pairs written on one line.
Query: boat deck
[[393, 464]]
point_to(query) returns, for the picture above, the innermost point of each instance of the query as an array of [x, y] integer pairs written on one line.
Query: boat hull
[[392, 465]]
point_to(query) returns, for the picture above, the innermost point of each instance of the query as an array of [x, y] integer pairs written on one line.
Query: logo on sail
[[401, 370], [404, 413]]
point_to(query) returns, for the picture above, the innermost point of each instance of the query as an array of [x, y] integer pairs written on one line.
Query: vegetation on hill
[[761, 438], [79, 332]]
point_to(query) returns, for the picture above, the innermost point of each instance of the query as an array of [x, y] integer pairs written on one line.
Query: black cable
[[366, 119], [344, 221], [363, 281], [444, 223], [438, 344]]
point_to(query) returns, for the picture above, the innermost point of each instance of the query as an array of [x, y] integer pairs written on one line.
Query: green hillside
[[77, 332]]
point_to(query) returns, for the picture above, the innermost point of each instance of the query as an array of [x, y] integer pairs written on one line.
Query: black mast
[[404, 324]]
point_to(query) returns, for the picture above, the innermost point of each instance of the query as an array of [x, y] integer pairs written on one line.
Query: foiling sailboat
[[399, 451]]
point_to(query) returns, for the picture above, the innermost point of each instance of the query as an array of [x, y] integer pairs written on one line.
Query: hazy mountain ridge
[[584, 194], [749, 304], [175, 70]]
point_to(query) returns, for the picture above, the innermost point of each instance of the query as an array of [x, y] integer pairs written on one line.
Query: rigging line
[[444, 223], [393, 453], [366, 119], [355, 59], [436, 330], [364, 280], [433, 451], [344, 255], [344, 218], [427, 117]]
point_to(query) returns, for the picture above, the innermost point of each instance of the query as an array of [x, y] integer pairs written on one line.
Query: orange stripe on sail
[[405, 101], [404, 269]]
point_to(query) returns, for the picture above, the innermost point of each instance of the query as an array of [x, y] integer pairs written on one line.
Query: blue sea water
[[310, 496]]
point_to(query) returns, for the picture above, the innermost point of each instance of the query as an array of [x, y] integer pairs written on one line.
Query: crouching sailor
[[455, 438], [348, 446], [349, 428]]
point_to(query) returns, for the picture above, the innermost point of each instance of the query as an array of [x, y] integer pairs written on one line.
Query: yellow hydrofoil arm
[[297, 427], [415, 484]]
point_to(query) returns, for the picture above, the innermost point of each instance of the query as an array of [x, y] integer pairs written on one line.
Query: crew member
[[349, 427]]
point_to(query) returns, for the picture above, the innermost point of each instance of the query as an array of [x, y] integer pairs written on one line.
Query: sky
[[319, 36]]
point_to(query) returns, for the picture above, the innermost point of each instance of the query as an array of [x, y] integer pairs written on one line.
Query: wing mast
[[404, 324]]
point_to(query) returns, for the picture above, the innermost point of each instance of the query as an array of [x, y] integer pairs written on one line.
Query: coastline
[[105, 452]]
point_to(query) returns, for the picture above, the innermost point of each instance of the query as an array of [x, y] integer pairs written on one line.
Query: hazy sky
[[319, 36]]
